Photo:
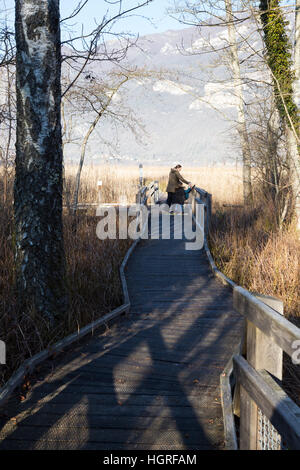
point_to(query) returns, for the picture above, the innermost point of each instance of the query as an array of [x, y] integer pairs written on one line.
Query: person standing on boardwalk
[[175, 186]]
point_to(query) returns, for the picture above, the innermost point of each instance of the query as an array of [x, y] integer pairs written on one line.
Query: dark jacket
[[175, 181], [179, 196]]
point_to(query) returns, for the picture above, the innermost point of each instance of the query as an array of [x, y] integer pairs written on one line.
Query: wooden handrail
[[201, 191], [142, 194], [206, 199], [268, 333], [272, 324]]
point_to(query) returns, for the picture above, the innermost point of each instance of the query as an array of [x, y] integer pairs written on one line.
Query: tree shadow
[[152, 382]]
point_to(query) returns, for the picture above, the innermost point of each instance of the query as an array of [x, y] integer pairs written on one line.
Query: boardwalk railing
[[150, 191], [269, 419], [200, 196]]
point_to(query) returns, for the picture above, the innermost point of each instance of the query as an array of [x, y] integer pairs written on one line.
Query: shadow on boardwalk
[[152, 381]]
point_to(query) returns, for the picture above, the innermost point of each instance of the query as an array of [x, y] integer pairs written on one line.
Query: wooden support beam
[[281, 411], [262, 353]]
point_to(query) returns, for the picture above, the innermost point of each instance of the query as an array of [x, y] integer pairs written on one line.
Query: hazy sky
[[136, 23], [94, 11]]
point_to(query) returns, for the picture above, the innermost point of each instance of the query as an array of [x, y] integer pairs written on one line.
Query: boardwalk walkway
[[153, 380]]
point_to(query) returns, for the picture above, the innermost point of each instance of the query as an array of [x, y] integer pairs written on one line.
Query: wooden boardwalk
[[152, 381]]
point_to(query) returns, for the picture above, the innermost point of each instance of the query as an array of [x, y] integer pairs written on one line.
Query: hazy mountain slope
[[179, 127]]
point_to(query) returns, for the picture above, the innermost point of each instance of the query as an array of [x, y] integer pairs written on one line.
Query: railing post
[[193, 202], [2, 352], [141, 175], [156, 188], [138, 197], [262, 354], [208, 209], [99, 186]]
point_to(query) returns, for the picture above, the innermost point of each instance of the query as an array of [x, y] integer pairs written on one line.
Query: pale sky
[[136, 23], [94, 11]]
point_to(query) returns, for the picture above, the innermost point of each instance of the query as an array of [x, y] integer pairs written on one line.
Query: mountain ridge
[[178, 125]]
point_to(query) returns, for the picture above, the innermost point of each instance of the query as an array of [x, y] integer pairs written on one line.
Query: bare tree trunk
[[38, 184], [66, 190], [82, 157], [293, 150], [86, 139], [238, 88], [9, 138]]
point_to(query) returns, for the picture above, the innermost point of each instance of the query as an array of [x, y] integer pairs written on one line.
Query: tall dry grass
[[93, 285], [262, 259], [245, 244], [119, 181]]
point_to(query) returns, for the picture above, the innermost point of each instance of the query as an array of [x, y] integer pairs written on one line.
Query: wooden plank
[[197, 310], [190, 381], [141, 398], [155, 357], [77, 421], [169, 371], [178, 322], [154, 434], [98, 446], [283, 413], [149, 409], [188, 349], [154, 382], [248, 421], [230, 437], [109, 372]]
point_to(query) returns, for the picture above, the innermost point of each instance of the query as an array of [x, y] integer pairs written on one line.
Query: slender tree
[[38, 182], [279, 60], [238, 90], [99, 113]]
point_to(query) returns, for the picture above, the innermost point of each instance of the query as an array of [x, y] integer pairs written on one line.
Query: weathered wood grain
[[262, 354]]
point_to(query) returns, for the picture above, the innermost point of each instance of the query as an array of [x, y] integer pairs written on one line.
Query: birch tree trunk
[[238, 89], [38, 183], [6, 161], [294, 163]]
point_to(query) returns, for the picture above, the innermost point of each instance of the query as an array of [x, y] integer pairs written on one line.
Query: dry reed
[[244, 243], [262, 260]]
